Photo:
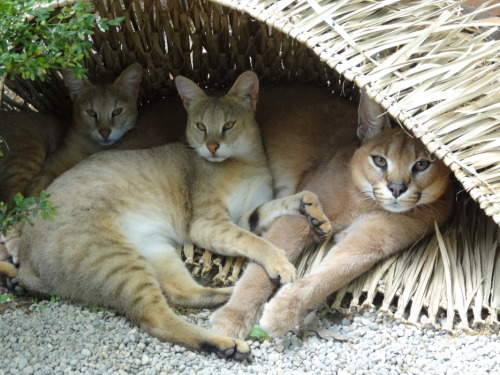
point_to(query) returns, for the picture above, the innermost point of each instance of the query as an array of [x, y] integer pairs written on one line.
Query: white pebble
[[145, 360]]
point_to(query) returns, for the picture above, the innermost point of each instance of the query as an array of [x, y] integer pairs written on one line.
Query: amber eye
[[200, 126], [228, 125], [117, 111], [421, 165], [379, 161], [92, 113]]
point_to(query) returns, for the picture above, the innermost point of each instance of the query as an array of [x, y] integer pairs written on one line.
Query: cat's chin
[[396, 207], [216, 158]]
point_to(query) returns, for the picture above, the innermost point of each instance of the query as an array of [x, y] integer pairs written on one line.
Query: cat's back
[[126, 174], [28, 139], [302, 125]]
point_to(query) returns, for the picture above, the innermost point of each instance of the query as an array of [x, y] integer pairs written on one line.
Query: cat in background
[[28, 138], [122, 213], [381, 197], [102, 114]]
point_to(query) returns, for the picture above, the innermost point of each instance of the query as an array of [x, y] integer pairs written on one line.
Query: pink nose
[[213, 148], [104, 133]]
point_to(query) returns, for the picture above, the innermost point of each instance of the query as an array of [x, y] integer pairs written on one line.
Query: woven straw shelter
[[435, 71]]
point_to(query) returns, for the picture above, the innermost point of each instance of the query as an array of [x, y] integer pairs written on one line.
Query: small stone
[[351, 369], [145, 360], [257, 352], [86, 353], [28, 370], [274, 357], [23, 362], [279, 348]]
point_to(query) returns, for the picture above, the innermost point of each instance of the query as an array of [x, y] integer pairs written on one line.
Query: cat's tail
[[8, 268]]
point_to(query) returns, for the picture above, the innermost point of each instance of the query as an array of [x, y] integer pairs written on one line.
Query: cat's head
[[223, 127], [391, 167], [105, 111]]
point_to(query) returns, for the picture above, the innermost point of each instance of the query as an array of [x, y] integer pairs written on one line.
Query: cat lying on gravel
[[122, 213]]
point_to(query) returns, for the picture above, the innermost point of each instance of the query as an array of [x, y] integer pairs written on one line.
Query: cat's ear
[[372, 118], [247, 85], [74, 85], [188, 90], [130, 79]]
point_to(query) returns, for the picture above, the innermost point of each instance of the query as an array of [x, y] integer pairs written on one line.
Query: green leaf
[[257, 333]]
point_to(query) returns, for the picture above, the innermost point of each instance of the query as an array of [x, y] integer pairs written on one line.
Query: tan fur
[[28, 139], [102, 114], [123, 212], [367, 229]]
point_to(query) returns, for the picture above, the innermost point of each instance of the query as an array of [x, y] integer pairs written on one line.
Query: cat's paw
[[311, 208], [233, 322], [280, 269], [280, 314]]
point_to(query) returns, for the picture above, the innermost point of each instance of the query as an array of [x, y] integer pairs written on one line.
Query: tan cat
[[102, 114], [28, 139], [380, 197], [123, 212]]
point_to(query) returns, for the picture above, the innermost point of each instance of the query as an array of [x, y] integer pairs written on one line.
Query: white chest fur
[[247, 195]]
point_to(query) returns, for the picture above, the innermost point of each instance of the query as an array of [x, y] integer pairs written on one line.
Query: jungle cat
[[28, 138], [381, 197], [122, 213], [102, 114]]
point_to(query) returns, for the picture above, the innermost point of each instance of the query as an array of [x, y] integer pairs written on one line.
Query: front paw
[[280, 269], [281, 313], [233, 322], [311, 208]]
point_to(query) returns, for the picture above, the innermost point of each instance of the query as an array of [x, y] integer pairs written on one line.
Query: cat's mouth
[[216, 158], [396, 207], [106, 142]]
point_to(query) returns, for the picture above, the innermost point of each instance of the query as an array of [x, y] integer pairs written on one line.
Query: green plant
[[51, 39], [96, 309], [24, 210], [258, 333], [6, 297], [53, 299]]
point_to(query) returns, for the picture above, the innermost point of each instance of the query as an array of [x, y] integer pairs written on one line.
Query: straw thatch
[[433, 68]]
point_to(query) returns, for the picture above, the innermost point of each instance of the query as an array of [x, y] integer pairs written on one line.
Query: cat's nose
[[105, 133], [213, 147], [397, 188]]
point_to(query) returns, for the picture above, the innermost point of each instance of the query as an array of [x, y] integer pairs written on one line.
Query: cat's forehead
[[103, 95], [398, 145], [217, 110]]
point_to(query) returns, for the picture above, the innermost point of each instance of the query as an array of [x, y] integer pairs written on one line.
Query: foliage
[[53, 39], [258, 333], [53, 299], [24, 210], [6, 297]]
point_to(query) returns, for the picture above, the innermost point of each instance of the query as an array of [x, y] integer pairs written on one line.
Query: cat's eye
[[91, 113], [201, 126], [379, 161], [117, 111], [228, 125], [421, 165]]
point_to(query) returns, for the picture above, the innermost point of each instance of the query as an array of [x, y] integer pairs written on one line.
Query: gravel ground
[[62, 338]]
